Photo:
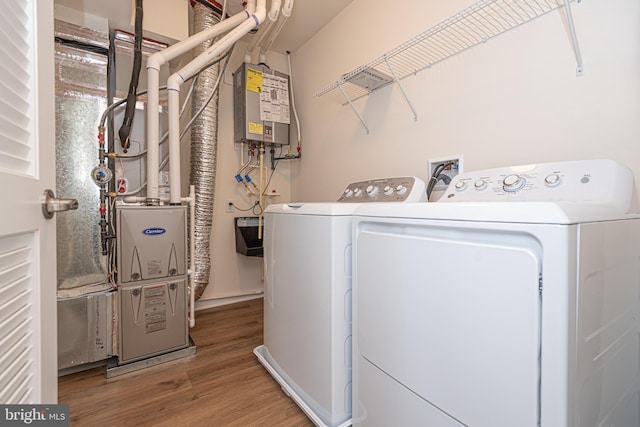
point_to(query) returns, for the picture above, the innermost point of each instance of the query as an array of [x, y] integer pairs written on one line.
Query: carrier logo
[[153, 231]]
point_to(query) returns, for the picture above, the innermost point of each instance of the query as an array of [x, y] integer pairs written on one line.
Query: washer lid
[[516, 212]]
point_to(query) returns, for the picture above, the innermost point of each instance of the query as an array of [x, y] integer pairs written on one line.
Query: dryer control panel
[[400, 189], [586, 181]]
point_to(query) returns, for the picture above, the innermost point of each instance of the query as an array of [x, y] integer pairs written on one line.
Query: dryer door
[[452, 315]]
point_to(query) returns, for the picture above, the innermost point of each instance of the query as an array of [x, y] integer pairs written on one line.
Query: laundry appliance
[[307, 295], [515, 301]]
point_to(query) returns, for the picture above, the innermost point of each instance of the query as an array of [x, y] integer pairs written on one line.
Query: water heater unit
[[262, 107]]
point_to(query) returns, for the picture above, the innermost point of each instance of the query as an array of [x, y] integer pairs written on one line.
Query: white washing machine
[[307, 295], [517, 305]]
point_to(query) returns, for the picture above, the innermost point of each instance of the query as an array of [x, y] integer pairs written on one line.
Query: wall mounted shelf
[[476, 24]]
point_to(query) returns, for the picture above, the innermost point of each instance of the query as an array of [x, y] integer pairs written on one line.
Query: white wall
[[233, 274], [513, 100]]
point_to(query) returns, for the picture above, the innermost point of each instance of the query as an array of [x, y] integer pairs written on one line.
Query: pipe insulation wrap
[[204, 148]]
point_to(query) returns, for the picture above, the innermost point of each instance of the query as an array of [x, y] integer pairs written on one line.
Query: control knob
[[401, 189], [480, 184], [357, 192], [552, 180], [387, 190], [512, 183], [460, 185], [348, 193], [371, 190]]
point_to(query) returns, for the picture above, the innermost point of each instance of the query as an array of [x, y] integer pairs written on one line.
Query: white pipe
[[293, 101], [174, 148], [192, 252], [251, 6], [154, 62], [153, 131], [177, 79], [273, 14], [286, 13], [261, 190], [173, 95]]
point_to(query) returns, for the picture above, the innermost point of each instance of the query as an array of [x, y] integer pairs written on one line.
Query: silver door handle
[[51, 205]]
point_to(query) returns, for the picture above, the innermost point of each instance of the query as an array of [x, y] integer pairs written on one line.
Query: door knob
[[51, 205]]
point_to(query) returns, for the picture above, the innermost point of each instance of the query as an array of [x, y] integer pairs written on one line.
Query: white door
[[27, 240]]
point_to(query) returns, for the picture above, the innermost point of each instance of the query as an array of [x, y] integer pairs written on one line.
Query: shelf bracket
[[574, 38], [395, 77], [353, 107]]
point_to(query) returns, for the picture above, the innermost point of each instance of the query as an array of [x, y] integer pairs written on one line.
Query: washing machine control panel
[[399, 189], [594, 181]]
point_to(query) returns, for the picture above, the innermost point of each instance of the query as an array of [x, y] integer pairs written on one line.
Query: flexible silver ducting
[[204, 147]]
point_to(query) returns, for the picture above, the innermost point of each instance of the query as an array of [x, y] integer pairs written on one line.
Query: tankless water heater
[[261, 105]]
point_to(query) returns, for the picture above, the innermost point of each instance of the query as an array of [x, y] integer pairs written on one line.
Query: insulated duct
[[204, 148], [81, 96]]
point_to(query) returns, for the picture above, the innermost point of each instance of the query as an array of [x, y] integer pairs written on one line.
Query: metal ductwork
[[204, 148]]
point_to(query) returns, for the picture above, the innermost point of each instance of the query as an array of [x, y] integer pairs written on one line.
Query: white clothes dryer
[[518, 305], [307, 295]]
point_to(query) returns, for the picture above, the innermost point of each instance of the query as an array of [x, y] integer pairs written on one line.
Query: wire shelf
[[478, 23]]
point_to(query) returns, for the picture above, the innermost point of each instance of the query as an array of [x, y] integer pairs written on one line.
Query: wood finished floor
[[223, 384]]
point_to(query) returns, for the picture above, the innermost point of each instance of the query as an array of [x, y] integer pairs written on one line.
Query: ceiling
[[307, 18]]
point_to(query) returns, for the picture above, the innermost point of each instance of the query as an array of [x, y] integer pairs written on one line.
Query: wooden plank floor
[[223, 384]]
